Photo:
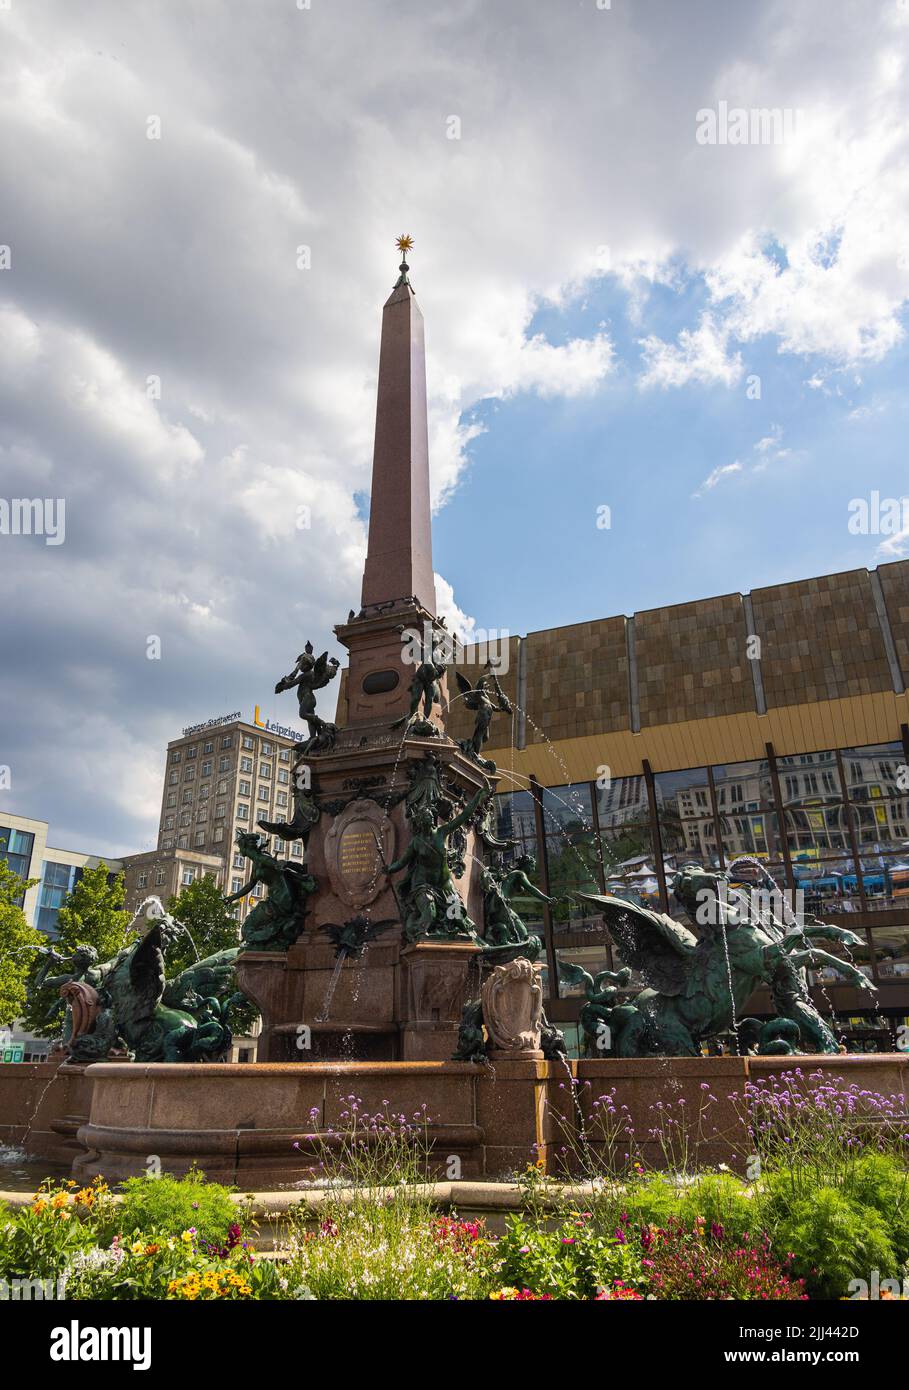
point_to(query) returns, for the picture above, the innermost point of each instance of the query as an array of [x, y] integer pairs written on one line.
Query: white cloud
[[458, 622], [725, 470], [700, 356]]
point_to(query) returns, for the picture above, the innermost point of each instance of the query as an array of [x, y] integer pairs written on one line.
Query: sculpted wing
[[145, 969], [575, 975], [650, 942]]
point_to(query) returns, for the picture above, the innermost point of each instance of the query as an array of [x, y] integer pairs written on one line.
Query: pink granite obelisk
[[399, 555]]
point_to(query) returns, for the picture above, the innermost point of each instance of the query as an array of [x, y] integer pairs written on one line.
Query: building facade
[[24, 845], [773, 725], [220, 777]]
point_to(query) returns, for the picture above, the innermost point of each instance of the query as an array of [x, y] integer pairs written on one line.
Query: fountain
[[395, 964]]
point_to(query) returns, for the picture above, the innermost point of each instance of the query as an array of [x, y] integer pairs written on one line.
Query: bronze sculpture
[[310, 674]]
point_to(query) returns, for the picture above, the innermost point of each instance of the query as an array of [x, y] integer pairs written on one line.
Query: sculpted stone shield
[[513, 1006], [356, 843]]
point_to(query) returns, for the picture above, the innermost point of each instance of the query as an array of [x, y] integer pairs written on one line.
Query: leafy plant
[[575, 1260], [165, 1205], [831, 1240]]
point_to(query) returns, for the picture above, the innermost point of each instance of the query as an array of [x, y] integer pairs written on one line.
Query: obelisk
[[399, 595], [399, 554]]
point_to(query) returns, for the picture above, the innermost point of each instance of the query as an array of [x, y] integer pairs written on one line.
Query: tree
[[91, 915], [16, 939], [201, 909]]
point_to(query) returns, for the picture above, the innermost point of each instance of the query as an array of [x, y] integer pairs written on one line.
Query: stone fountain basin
[[240, 1123]]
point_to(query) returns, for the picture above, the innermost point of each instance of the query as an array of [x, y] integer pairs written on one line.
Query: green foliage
[[575, 1260], [881, 1182], [166, 1204], [201, 909], [91, 915], [16, 961], [831, 1240]]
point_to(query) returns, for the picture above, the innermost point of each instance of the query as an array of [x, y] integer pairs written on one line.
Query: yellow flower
[[63, 1215], [137, 1247], [39, 1205], [187, 1236], [60, 1199]]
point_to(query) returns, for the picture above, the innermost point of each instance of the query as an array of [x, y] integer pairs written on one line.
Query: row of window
[[249, 743], [834, 825]]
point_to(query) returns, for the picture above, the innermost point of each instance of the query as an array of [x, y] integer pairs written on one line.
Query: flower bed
[[825, 1201]]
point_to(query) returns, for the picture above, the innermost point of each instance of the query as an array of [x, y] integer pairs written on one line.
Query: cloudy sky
[[708, 339]]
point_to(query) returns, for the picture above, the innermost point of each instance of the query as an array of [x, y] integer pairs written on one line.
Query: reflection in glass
[[742, 787], [891, 950], [809, 778], [873, 772]]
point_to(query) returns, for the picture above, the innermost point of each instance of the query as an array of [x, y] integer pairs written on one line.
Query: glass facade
[[56, 881], [832, 826], [16, 848]]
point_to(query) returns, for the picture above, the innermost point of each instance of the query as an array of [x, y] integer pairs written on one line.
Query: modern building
[[220, 777], [24, 845], [773, 724]]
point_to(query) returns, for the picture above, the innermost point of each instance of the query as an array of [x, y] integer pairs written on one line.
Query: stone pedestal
[[437, 978]]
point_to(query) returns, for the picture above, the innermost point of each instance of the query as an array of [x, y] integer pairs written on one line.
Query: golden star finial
[[404, 244]]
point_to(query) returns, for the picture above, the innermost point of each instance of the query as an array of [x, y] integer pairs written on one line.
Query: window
[[248, 742], [242, 812], [227, 741], [246, 765], [201, 814], [239, 861], [174, 777], [189, 775], [187, 795], [629, 861], [159, 877], [297, 850], [206, 768], [56, 882], [236, 884], [264, 794], [168, 822], [281, 799], [200, 838], [284, 755], [208, 748], [222, 786], [223, 764], [176, 755], [218, 836], [191, 752], [16, 848], [220, 810], [204, 791], [283, 775], [243, 788], [142, 881], [266, 750], [183, 842], [171, 798], [265, 769], [187, 877], [167, 842]]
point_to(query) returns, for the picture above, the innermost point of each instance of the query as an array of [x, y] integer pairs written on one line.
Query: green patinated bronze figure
[[275, 924], [486, 698], [696, 987], [310, 674], [430, 904]]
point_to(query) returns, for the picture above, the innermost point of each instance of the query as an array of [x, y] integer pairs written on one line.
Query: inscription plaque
[[357, 842]]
